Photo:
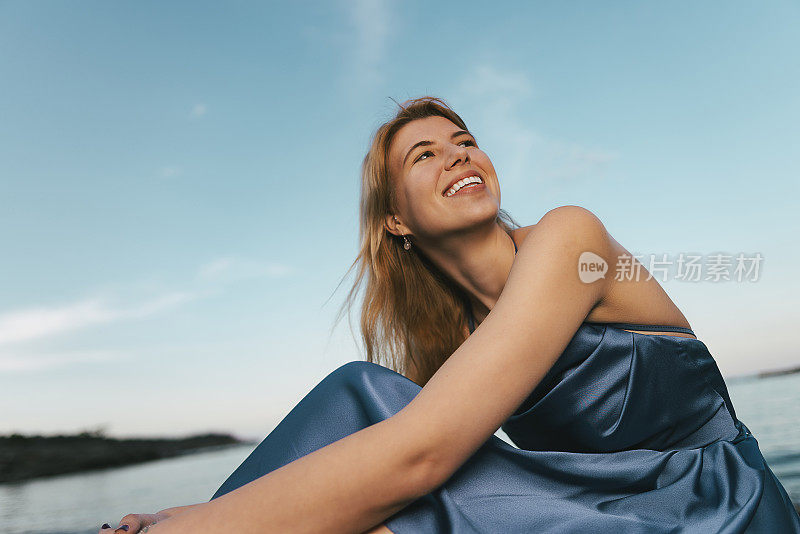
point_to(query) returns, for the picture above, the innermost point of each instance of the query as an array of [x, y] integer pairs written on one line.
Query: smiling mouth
[[468, 183]]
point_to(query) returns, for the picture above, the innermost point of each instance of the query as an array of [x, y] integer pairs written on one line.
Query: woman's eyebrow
[[425, 143]]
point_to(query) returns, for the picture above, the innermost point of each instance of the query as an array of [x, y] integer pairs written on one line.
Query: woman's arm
[[349, 486], [542, 305], [362, 479], [169, 512], [137, 522]]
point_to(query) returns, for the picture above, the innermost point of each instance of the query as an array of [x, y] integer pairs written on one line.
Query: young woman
[[622, 418]]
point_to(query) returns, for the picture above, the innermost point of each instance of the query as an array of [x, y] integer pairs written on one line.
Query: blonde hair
[[413, 315]]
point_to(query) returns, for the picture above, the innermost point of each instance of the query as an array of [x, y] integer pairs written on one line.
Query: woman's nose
[[458, 154]]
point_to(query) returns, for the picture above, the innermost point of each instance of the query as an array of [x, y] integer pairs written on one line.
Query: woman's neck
[[479, 262]]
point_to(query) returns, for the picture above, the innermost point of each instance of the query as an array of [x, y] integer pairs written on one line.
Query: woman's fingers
[[130, 524]]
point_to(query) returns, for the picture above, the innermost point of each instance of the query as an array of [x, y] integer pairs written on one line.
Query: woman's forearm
[[168, 512], [348, 486]]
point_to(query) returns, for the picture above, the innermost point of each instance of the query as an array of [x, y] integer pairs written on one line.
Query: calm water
[[81, 503]]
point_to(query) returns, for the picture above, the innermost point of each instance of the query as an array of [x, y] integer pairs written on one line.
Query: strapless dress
[[626, 433]]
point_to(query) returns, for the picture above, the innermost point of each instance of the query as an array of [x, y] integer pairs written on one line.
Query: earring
[[406, 242]]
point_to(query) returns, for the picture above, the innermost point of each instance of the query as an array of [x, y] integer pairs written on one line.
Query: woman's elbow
[[432, 465], [419, 476], [421, 468], [435, 472]]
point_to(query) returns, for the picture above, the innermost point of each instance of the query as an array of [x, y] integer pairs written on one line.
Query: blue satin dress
[[626, 433]]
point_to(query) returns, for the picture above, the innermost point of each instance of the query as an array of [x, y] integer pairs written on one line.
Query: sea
[[80, 503]]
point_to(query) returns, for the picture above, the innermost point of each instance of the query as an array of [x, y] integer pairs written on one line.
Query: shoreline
[[34, 457], [24, 458], [768, 373]]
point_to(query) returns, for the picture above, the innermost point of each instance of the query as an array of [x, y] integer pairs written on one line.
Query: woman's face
[[422, 175]]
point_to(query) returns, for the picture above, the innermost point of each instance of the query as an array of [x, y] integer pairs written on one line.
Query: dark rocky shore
[[27, 457], [779, 372]]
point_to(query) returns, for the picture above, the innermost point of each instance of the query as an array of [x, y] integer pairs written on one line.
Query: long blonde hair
[[413, 315]]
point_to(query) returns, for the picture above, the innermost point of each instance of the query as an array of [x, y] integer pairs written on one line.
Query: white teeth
[[463, 182]]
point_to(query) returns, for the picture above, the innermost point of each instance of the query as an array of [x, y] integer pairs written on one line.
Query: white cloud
[[198, 110], [497, 100], [170, 171], [10, 363], [509, 88], [29, 325], [570, 161], [231, 269], [39, 322], [373, 22]]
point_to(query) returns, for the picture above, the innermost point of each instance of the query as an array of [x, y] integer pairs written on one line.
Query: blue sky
[[179, 180]]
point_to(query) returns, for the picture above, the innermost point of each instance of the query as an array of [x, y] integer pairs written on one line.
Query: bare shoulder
[[569, 221], [639, 299], [575, 234], [565, 238]]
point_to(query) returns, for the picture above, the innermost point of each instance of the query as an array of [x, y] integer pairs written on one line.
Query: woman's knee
[[357, 370], [372, 383]]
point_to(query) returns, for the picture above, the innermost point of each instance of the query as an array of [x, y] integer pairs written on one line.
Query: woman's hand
[[133, 523], [136, 522]]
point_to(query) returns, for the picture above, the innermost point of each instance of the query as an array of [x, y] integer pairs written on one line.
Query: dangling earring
[[406, 242]]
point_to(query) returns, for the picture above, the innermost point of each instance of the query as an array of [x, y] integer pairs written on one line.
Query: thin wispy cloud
[[497, 99], [22, 362], [170, 171], [569, 161], [230, 269], [44, 321], [198, 110], [26, 326], [373, 24]]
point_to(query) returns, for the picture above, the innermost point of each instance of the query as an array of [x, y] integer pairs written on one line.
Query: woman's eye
[[468, 141]]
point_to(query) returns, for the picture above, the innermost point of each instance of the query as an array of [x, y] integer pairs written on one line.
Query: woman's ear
[[392, 225]]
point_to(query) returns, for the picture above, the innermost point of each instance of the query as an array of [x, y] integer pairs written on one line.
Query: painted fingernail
[[106, 525], [123, 527]]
